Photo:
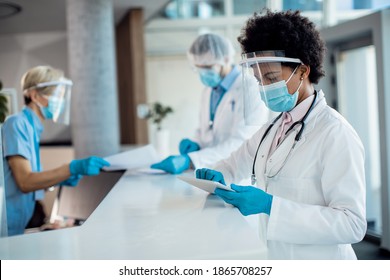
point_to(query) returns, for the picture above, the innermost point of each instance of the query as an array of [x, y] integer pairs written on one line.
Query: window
[[185, 9], [248, 7], [303, 5]]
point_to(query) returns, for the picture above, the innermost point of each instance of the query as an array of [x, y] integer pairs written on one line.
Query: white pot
[[162, 143]]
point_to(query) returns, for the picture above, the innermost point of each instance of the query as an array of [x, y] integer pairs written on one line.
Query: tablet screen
[[206, 185]]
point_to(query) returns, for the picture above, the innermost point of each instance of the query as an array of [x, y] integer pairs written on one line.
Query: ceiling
[[49, 15]]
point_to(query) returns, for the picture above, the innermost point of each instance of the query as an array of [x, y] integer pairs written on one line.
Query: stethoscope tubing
[[297, 137]]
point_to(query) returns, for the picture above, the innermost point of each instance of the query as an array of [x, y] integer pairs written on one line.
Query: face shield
[[58, 94], [265, 76], [208, 55]]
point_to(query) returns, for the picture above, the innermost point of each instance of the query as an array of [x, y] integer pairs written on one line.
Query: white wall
[[171, 81], [20, 52]]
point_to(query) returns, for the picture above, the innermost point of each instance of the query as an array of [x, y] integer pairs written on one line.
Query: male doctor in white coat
[[307, 165], [222, 126]]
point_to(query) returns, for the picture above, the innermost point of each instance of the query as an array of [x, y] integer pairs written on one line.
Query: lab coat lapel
[[279, 156], [265, 163], [263, 153], [319, 106], [311, 119]]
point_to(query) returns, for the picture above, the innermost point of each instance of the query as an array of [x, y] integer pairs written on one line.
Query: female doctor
[[307, 165], [47, 96], [222, 126]]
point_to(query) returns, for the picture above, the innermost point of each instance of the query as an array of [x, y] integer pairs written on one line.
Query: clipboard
[[206, 185]]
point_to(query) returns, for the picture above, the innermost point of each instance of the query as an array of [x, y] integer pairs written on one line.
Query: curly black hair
[[288, 31]]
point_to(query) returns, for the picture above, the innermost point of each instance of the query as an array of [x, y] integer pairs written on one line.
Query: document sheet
[[136, 158]]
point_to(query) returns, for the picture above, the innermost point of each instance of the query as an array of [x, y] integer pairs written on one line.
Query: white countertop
[[147, 217]]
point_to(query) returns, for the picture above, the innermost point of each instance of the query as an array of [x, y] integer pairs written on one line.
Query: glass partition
[[358, 103]]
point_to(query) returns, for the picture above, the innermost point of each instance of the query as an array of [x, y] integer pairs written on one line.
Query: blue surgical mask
[[55, 106], [46, 112], [210, 78], [277, 98]]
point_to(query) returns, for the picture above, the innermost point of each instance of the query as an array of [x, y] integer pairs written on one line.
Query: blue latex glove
[[72, 181], [247, 199], [187, 146], [173, 164], [87, 166], [209, 174]]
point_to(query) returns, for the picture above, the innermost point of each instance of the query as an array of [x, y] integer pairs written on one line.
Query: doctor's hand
[[209, 174], [173, 164], [187, 146], [247, 199], [72, 181], [87, 166]]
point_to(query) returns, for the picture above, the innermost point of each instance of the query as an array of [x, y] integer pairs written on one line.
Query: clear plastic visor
[[59, 98], [261, 73]]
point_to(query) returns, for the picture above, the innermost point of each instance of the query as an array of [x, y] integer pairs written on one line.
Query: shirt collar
[[299, 111], [229, 79], [36, 122]]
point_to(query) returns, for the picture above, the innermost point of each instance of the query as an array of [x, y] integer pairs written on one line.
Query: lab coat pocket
[[302, 190]]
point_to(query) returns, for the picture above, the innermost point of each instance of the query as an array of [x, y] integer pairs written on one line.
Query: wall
[[171, 81]]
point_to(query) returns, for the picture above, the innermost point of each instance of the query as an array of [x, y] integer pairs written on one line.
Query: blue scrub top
[[21, 133]]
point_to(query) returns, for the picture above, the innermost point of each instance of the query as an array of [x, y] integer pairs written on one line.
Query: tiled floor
[[366, 250]]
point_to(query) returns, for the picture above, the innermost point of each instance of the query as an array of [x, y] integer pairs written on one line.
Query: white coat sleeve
[[342, 220], [207, 157], [239, 132], [239, 165], [204, 100]]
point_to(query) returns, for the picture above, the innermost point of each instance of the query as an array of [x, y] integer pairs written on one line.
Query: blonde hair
[[39, 74]]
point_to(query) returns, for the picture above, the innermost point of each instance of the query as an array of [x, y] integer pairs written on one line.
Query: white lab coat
[[318, 206], [229, 130]]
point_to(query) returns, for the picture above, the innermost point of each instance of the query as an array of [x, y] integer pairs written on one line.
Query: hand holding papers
[[133, 159], [206, 185]]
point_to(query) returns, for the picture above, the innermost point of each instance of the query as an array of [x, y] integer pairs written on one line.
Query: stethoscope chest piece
[[211, 124], [253, 179]]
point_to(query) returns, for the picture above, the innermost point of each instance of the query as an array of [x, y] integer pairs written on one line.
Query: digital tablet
[[206, 185]]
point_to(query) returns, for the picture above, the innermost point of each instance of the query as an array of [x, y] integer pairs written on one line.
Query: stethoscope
[[297, 138]]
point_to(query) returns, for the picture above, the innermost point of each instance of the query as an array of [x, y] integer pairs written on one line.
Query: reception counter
[[147, 217]]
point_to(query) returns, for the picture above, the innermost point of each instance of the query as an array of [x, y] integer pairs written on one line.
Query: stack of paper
[[133, 159]]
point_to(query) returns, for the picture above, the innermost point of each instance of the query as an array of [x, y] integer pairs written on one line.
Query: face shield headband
[[263, 81], [58, 108]]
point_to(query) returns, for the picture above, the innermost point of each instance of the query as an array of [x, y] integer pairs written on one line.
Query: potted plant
[[3, 105], [156, 112]]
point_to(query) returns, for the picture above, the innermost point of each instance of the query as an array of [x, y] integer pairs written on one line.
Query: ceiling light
[[8, 9]]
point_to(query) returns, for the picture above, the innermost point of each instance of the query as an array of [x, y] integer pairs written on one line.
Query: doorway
[[357, 101]]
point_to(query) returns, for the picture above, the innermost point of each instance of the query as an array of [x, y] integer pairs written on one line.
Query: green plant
[[3, 105], [157, 113]]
